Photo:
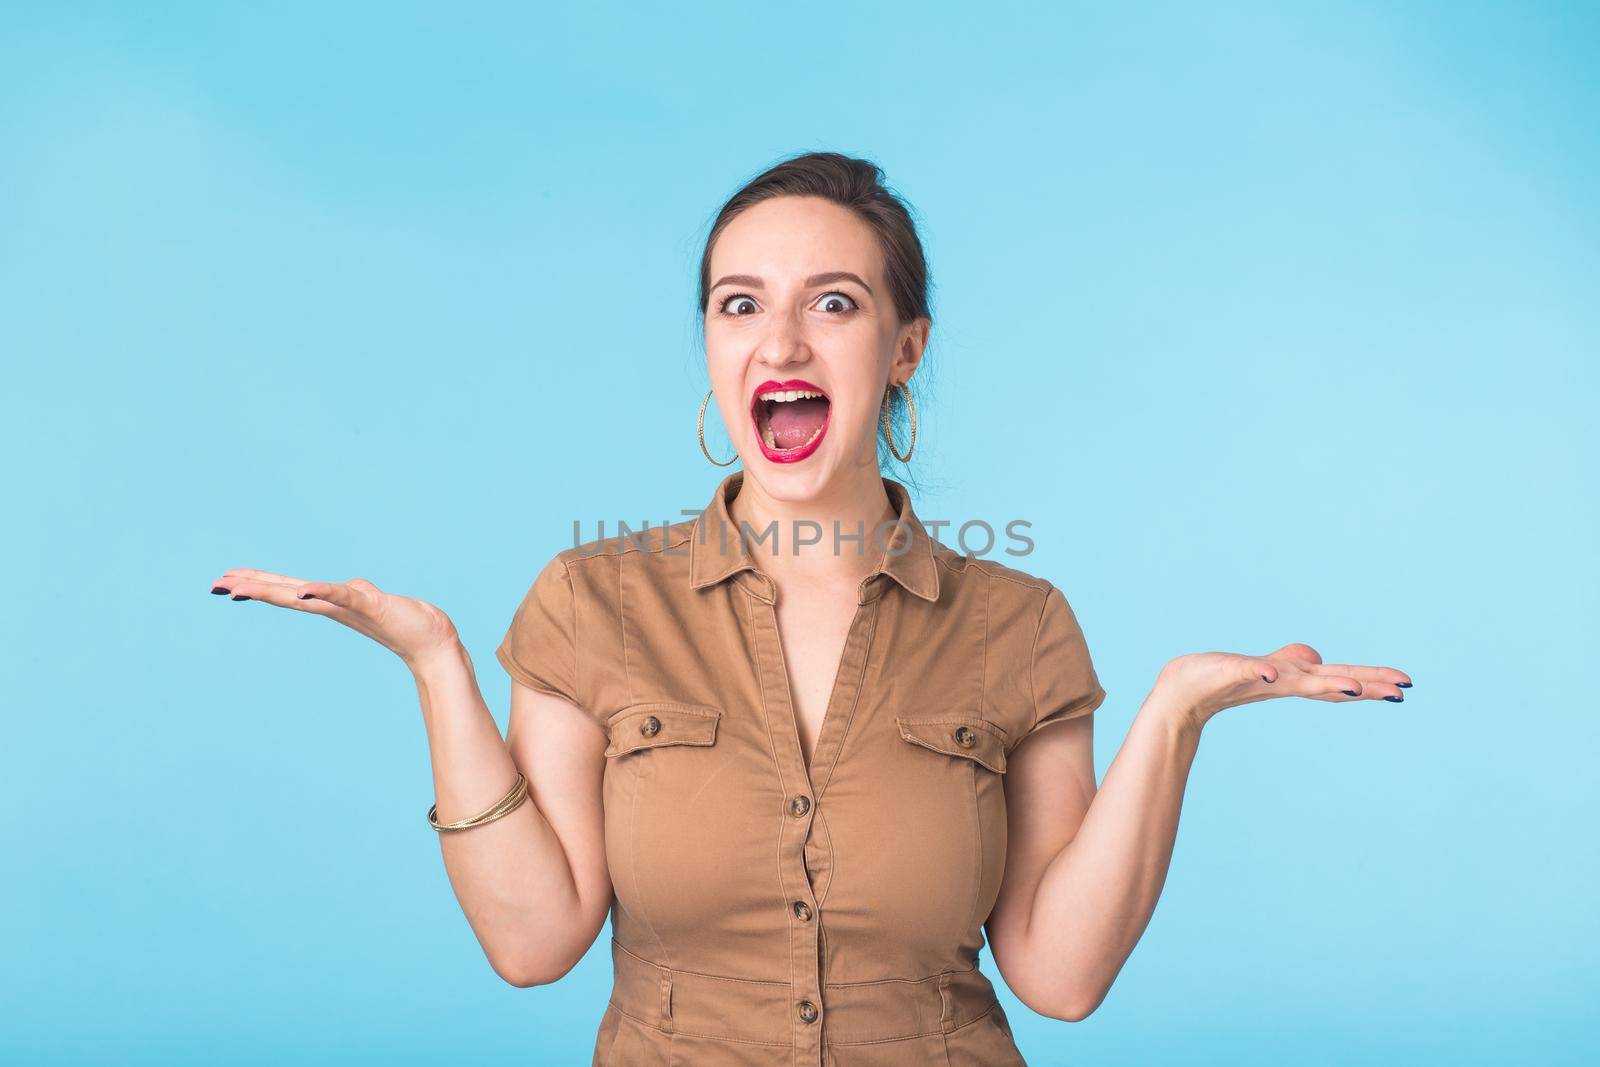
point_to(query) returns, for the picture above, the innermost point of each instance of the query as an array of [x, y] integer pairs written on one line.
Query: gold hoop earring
[[911, 405], [700, 432]]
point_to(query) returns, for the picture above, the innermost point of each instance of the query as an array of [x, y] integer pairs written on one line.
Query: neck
[[857, 503]]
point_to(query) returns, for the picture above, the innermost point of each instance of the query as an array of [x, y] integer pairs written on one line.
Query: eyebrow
[[753, 282]]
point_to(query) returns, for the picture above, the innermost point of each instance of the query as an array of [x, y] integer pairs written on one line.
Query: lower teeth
[[772, 442]]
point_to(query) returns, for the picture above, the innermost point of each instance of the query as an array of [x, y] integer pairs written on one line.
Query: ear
[[909, 348]]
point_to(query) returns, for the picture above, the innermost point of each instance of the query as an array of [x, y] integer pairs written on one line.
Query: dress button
[[802, 911], [965, 736], [651, 726], [799, 805], [807, 1011]]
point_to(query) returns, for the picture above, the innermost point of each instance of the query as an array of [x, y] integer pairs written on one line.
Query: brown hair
[[858, 185]]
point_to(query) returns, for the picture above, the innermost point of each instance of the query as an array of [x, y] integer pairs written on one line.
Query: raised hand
[[410, 628], [1205, 683]]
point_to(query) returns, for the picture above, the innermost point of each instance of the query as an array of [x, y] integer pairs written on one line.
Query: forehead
[[794, 236]]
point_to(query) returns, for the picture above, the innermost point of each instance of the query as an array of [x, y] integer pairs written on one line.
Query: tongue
[[793, 423]]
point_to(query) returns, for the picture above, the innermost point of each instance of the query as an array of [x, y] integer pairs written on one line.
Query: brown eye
[[830, 302], [742, 299]]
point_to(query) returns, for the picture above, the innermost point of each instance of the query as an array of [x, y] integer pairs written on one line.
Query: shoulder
[[1022, 611], [595, 568], [1020, 614], [1037, 664], [1026, 585], [1001, 586], [652, 540]]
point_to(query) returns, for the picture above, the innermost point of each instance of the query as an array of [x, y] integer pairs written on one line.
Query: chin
[[791, 482]]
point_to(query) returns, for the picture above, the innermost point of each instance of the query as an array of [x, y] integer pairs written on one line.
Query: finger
[[1258, 670], [352, 603], [237, 587], [231, 581], [357, 599], [279, 594], [1385, 682], [327, 604], [242, 573], [1323, 686]]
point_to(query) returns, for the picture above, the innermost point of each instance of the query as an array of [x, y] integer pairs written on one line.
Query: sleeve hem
[[1078, 708], [1066, 714], [1033, 659], [518, 672], [1072, 711]]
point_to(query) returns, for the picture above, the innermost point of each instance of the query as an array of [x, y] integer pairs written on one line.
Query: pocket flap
[[969, 736], [658, 723]]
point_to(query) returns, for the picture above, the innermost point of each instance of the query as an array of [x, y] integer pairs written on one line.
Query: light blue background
[[1278, 321]]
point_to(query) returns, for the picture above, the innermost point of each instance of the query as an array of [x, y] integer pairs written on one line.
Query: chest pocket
[[669, 818], [658, 723], [969, 737], [956, 765]]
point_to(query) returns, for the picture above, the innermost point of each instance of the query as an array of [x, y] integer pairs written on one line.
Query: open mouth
[[790, 418]]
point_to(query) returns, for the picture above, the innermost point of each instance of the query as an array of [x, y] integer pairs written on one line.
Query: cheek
[[857, 371], [722, 360], [725, 374], [858, 416], [858, 420]]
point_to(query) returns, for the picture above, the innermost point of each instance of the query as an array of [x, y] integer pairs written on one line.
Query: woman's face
[[799, 309]]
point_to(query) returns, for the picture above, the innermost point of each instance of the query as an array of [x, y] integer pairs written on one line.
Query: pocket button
[[965, 737], [651, 726]]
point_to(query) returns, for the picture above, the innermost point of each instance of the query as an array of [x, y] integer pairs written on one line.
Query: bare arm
[[533, 884], [1085, 867]]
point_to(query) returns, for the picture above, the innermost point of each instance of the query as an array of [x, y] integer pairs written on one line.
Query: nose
[[784, 344]]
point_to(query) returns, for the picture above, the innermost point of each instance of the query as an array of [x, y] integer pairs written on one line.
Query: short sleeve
[[1064, 682], [540, 647]]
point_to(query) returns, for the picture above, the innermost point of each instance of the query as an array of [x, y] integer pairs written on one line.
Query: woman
[[794, 746]]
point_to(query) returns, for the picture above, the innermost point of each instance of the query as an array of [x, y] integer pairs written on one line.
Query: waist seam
[[864, 983], [901, 981], [908, 1037], [698, 974], [827, 1040]]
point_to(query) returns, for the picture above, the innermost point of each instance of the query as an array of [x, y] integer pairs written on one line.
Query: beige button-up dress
[[771, 914]]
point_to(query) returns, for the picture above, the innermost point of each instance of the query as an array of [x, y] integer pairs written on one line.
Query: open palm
[[406, 626], [1208, 682]]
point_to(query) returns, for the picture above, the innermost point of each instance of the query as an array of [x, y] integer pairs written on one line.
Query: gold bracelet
[[502, 807]]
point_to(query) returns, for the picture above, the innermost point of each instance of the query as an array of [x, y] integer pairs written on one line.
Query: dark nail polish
[[1264, 678], [217, 589], [1350, 692], [304, 596], [1403, 685], [241, 598], [1395, 699]]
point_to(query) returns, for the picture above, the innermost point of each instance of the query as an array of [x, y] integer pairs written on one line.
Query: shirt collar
[[717, 550]]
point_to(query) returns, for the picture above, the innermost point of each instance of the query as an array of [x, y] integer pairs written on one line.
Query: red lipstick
[[759, 407]]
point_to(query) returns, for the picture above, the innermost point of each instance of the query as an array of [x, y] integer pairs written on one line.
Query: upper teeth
[[779, 396]]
